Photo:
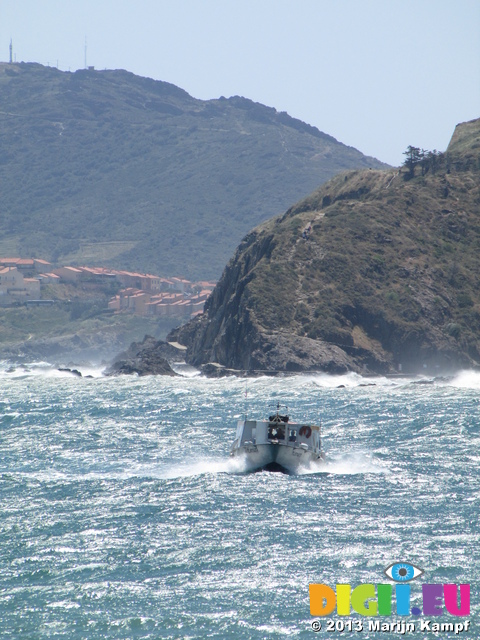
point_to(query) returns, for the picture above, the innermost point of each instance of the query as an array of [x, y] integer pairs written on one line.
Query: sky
[[378, 75]]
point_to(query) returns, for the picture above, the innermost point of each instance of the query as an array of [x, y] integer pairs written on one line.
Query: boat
[[277, 444]]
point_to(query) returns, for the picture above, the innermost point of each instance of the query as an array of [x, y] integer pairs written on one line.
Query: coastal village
[[25, 280]]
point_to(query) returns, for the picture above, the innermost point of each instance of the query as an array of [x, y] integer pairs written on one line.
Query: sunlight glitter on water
[[119, 495]]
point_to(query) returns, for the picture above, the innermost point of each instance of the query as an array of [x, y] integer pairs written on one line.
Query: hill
[[376, 271], [108, 168]]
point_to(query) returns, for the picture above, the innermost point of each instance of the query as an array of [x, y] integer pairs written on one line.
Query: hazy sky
[[376, 74]]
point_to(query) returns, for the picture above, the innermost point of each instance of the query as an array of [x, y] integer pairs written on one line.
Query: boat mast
[[246, 399]]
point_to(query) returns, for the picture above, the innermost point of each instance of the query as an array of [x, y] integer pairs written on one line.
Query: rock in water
[[75, 372], [144, 358]]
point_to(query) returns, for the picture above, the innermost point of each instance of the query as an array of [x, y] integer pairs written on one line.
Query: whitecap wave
[[185, 370], [350, 380], [49, 370], [465, 380]]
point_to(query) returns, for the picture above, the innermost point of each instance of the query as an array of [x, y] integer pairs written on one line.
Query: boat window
[[248, 429], [276, 432], [292, 436]]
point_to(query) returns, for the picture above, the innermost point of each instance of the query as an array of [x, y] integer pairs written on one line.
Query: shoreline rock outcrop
[[149, 357]]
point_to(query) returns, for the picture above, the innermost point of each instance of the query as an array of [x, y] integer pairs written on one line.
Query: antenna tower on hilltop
[[11, 51]]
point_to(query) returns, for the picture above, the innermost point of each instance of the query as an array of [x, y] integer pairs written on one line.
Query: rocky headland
[[375, 272]]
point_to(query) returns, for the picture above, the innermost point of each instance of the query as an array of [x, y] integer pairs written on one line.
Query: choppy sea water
[[122, 515]]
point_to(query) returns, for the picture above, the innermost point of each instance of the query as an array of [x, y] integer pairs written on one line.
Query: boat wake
[[346, 464], [182, 469], [202, 467]]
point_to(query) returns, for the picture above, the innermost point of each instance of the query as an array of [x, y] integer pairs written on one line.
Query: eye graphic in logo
[[403, 572]]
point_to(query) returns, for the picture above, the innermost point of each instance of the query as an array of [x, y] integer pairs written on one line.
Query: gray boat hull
[[277, 445]]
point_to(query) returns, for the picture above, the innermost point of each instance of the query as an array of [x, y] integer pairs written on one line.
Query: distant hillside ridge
[[374, 272], [110, 168]]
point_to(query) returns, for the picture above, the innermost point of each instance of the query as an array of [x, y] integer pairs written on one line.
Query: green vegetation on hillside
[[136, 174]]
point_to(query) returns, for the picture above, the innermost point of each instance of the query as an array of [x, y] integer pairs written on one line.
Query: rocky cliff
[[376, 271]]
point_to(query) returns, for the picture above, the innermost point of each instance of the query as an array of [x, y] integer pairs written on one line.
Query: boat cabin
[[258, 432]]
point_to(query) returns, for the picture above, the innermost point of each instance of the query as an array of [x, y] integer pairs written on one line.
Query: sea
[[123, 515]]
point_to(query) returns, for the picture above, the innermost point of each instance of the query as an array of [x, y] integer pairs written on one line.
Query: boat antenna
[[278, 408], [246, 399]]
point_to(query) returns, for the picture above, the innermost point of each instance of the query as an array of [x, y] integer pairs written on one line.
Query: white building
[[13, 283]]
